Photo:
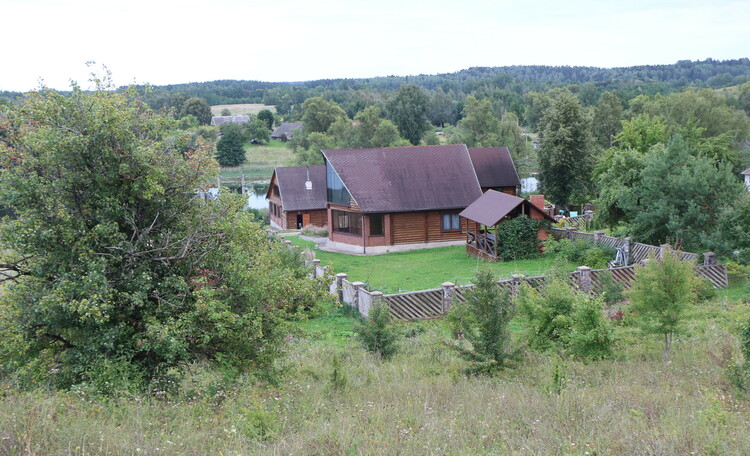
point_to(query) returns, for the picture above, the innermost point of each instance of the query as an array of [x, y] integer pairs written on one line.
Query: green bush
[[561, 318], [591, 335], [377, 333], [612, 292], [483, 321], [581, 252]]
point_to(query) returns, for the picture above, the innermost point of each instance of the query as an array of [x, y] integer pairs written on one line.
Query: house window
[[276, 190], [451, 222], [337, 193], [346, 222], [376, 225]]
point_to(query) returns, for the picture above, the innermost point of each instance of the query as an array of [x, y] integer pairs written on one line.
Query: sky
[[49, 42]]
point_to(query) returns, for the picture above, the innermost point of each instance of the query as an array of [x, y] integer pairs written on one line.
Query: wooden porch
[[482, 243]]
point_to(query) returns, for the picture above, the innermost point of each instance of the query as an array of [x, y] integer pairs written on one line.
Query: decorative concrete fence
[[436, 302], [635, 252]]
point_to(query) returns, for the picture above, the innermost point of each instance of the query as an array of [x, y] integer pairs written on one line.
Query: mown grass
[[419, 403], [241, 109], [423, 269], [260, 160]]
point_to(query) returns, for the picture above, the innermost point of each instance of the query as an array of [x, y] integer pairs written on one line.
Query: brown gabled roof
[[294, 196], [403, 179], [494, 167], [286, 128], [491, 207]]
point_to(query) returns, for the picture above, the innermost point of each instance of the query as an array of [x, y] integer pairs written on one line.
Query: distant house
[[495, 169], [482, 217], [746, 173], [297, 197], [398, 198], [219, 120], [285, 131]]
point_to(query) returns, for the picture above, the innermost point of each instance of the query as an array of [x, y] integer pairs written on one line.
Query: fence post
[[568, 231], [598, 236], [709, 259], [448, 290], [377, 298], [515, 285], [664, 248], [316, 264], [584, 278], [340, 277], [355, 299], [626, 245]]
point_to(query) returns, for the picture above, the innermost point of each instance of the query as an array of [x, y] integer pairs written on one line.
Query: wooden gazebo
[[484, 215]]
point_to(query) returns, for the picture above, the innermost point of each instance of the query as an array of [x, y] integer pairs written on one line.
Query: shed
[[484, 215]]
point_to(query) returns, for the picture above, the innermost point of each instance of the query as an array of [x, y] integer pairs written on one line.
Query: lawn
[[423, 269], [260, 160], [241, 109]]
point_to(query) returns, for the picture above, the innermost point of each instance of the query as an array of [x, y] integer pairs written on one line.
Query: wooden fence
[[635, 251]]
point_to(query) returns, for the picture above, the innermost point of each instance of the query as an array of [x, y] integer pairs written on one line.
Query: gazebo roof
[[493, 206]]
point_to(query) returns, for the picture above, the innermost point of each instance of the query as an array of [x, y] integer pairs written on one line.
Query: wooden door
[[305, 219]]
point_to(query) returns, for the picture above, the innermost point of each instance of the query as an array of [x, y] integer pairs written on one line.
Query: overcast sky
[[168, 42]]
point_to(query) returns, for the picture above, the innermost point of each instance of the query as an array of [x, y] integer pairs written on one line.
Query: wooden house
[[220, 120], [482, 217], [398, 198], [285, 131], [297, 197], [495, 169]]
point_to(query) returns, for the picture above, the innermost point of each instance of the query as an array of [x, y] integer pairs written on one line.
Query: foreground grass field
[[419, 403], [423, 269]]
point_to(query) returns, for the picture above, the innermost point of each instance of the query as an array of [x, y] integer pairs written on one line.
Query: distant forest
[[506, 86]]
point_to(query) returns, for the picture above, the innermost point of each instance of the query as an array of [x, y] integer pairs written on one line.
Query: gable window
[[376, 225], [346, 222], [336, 192], [451, 222]]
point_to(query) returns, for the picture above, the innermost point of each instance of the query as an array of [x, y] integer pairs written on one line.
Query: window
[[451, 222], [376, 225], [337, 193], [346, 222]]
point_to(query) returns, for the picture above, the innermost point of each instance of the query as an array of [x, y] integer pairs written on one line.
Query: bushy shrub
[[581, 252], [315, 231], [559, 317], [611, 291], [590, 335], [377, 333]]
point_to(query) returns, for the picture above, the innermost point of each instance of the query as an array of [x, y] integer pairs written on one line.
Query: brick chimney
[[537, 200]]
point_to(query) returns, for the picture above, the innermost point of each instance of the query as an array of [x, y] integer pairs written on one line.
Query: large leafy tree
[[479, 127], [408, 110], [678, 195], [197, 107], [607, 115], [319, 114], [114, 270], [230, 150], [565, 156]]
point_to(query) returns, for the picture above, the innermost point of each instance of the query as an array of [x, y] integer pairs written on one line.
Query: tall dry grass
[[420, 403]]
